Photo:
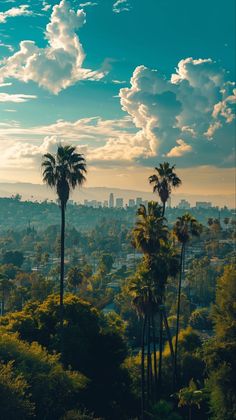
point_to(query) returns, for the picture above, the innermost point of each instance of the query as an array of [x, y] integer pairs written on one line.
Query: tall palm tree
[[149, 235], [63, 171], [149, 231], [140, 291], [185, 228], [163, 181]]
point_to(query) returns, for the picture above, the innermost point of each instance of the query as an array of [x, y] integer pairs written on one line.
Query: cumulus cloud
[[59, 64], [193, 109], [187, 119], [22, 10], [180, 149], [121, 6], [17, 97]]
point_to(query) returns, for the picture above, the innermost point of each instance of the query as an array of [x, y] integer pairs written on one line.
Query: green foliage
[[163, 410], [221, 388], [201, 280], [200, 319], [14, 396], [79, 415], [90, 346], [13, 257], [50, 388], [224, 311], [190, 396], [219, 352], [189, 340]]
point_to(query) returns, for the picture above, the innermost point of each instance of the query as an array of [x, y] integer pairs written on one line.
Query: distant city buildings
[[203, 204], [139, 201], [183, 204], [131, 202], [93, 203], [119, 203], [111, 200]]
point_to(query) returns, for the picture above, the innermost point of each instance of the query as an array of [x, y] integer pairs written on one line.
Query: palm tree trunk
[[178, 315], [163, 209], [160, 351], [143, 368], [154, 355], [148, 361], [168, 336], [3, 302], [62, 268]]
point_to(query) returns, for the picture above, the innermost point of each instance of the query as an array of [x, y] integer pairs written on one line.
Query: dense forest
[[115, 314]]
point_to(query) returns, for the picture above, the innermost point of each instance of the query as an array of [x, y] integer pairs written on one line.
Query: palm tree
[[63, 171], [149, 231], [139, 289], [185, 227], [5, 287], [149, 235], [164, 181], [74, 278]]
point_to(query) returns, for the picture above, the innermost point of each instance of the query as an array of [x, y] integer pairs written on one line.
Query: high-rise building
[[203, 204], [131, 202], [105, 203], [111, 200], [119, 203], [139, 201], [169, 202], [183, 204]]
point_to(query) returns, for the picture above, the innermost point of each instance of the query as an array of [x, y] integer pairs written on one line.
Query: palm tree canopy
[[164, 180], [185, 227], [143, 291], [149, 231], [64, 170]]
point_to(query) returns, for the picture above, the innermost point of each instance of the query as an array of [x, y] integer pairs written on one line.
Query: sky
[[130, 83]]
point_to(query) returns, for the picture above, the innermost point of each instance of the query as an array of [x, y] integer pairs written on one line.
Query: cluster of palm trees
[[151, 236], [67, 169]]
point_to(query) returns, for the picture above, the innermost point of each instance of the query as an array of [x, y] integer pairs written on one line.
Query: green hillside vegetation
[[123, 314]]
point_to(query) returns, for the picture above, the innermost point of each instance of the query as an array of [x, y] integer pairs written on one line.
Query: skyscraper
[[111, 200], [119, 203], [131, 202], [139, 201]]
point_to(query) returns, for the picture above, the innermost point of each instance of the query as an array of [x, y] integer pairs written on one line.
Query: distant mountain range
[[40, 192]]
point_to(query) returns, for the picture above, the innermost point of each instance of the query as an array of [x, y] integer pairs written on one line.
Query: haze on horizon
[[74, 74]]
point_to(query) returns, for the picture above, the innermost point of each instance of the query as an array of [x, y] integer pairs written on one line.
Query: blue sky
[[132, 83]]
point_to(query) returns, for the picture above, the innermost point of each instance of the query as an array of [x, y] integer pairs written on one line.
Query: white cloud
[[119, 82], [5, 84], [58, 65], [22, 10], [179, 150], [195, 105], [46, 6], [88, 3], [121, 6], [17, 98], [8, 46], [186, 119]]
